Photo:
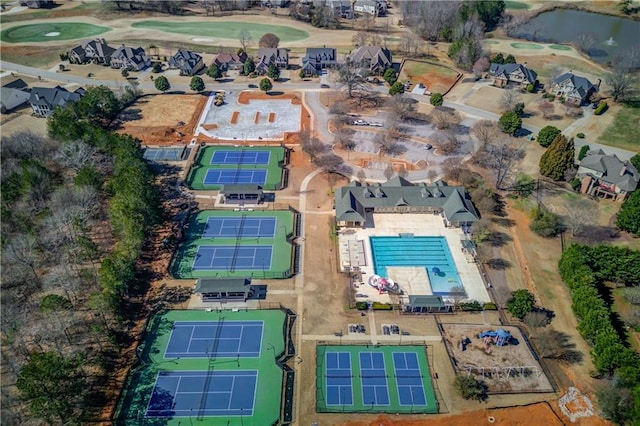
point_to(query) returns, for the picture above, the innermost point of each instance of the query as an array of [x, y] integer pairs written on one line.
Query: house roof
[[185, 59], [352, 200], [211, 285], [504, 70], [53, 97], [11, 98], [376, 54], [18, 84], [225, 58], [580, 83], [321, 54], [426, 301], [134, 54], [613, 170]]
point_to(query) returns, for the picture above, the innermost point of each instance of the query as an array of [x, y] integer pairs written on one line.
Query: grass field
[[184, 258], [224, 29], [559, 47], [435, 77], [516, 5], [623, 132], [393, 385], [142, 378], [37, 32], [532, 46]]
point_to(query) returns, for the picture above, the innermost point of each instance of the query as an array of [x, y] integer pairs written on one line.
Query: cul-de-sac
[[320, 212]]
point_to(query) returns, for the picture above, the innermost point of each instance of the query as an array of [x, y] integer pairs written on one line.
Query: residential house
[[96, 51], [355, 203], [271, 55], [607, 176], [130, 58], [340, 8], [230, 61], [187, 62], [372, 7], [318, 58], [44, 100], [371, 59], [574, 89], [503, 74], [12, 95]]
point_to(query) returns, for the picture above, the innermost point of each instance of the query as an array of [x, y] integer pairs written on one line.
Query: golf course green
[[226, 29], [53, 31]]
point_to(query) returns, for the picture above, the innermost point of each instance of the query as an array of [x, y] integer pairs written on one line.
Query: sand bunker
[[52, 34], [202, 39]]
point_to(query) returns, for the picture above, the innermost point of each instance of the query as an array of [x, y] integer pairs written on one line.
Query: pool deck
[[392, 224]]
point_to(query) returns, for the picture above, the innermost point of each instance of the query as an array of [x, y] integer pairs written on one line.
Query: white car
[[360, 123]]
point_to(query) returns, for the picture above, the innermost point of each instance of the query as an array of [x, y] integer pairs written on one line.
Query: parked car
[[428, 146], [324, 86], [253, 86], [360, 122]]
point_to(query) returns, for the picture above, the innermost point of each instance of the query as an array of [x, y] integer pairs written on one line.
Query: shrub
[[362, 306], [583, 152], [530, 87], [436, 99], [545, 223], [547, 135], [490, 306], [602, 107], [377, 306], [521, 303], [575, 184], [580, 135], [472, 305]]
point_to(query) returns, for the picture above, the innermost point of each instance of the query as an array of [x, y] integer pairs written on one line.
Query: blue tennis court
[[204, 339], [339, 382], [409, 378], [240, 227], [241, 157], [235, 176], [230, 258], [375, 390], [203, 393]]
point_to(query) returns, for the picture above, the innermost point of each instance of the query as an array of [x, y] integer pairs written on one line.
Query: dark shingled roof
[[210, 285]]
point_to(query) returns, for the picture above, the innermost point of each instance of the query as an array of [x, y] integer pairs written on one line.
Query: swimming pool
[[430, 252]]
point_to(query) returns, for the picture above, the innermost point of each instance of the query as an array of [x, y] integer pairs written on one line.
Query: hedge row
[[602, 107], [580, 269]]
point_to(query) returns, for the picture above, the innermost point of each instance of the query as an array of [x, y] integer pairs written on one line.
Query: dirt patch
[[163, 119], [436, 78], [272, 117], [234, 117], [541, 414]]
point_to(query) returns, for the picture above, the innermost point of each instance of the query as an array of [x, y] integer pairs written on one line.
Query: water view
[[603, 37]]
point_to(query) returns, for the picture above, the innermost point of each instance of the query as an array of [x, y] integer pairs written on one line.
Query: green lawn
[[623, 132], [559, 47], [37, 32], [224, 29], [516, 5], [532, 46]]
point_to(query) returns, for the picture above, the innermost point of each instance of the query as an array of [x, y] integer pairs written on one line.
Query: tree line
[[584, 270], [76, 209]]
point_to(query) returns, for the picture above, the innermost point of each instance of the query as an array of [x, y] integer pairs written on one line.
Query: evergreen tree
[[547, 135], [273, 72], [249, 66], [162, 83], [197, 85], [629, 214], [558, 158], [214, 72]]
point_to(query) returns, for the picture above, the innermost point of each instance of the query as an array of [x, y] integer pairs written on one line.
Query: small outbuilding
[[241, 194], [222, 289]]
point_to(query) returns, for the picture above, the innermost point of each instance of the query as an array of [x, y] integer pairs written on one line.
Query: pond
[[603, 37]]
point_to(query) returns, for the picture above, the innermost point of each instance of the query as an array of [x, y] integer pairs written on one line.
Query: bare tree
[[536, 320], [508, 100], [389, 172], [362, 176], [360, 38], [485, 131], [457, 294], [312, 146], [349, 76], [403, 106], [546, 108], [445, 118], [580, 214], [448, 142], [501, 156], [623, 84], [557, 344], [245, 38], [22, 251], [585, 42], [333, 165], [367, 22], [269, 40], [480, 66]]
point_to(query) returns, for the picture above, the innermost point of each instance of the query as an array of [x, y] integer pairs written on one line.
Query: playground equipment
[[499, 337], [383, 284]]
